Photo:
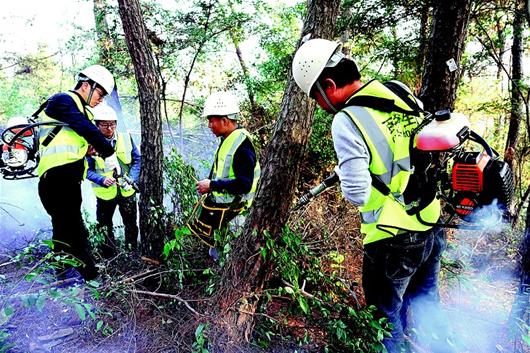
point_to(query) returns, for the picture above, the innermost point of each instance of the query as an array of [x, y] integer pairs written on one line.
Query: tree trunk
[[500, 28], [527, 11], [244, 277], [525, 251], [516, 100], [447, 41], [104, 41], [151, 123], [422, 50]]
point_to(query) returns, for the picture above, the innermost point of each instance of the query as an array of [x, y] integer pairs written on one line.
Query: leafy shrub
[[179, 183], [320, 298]]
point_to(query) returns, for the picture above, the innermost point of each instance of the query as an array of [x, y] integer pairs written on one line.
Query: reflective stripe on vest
[[66, 147], [387, 137], [123, 150], [223, 168]]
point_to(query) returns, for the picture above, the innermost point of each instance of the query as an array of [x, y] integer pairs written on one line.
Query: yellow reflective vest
[[123, 150], [223, 169], [66, 147], [387, 136]]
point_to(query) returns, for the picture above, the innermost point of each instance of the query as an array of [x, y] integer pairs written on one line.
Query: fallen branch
[[168, 296], [257, 314], [52, 284], [135, 277], [150, 261], [302, 290], [7, 263]]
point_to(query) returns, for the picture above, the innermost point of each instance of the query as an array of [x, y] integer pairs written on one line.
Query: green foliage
[[321, 156], [36, 78], [42, 288], [4, 345], [277, 41], [201, 342], [320, 297], [96, 234], [179, 181], [386, 38]]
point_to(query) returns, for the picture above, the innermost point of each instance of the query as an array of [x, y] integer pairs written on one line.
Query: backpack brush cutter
[[475, 186], [19, 143]]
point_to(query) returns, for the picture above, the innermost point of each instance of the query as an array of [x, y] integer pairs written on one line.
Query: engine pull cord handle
[[317, 190]]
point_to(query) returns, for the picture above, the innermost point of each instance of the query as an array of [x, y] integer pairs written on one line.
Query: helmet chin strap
[[325, 97], [92, 89]]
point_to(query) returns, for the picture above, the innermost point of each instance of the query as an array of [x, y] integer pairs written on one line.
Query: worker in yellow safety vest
[[115, 188], [62, 166], [235, 172], [371, 131]]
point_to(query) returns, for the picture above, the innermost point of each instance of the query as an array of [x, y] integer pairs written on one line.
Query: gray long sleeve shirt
[[354, 160]]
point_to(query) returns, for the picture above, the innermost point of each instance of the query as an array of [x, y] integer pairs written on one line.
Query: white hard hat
[[221, 104], [17, 120], [104, 112], [311, 59], [100, 75]]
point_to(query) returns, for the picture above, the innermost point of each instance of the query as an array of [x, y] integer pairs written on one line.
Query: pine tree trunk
[[151, 124], [447, 41], [422, 50], [246, 274], [516, 111]]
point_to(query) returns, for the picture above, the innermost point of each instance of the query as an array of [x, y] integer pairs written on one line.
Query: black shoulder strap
[[388, 105], [379, 185], [403, 94], [51, 135], [41, 108]]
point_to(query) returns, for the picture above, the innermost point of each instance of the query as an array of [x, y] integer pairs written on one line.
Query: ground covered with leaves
[[313, 303]]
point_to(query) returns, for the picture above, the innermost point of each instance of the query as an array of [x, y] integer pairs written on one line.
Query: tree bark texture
[[422, 50], [245, 275], [525, 252], [447, 41], [516, 99], [151, 227]]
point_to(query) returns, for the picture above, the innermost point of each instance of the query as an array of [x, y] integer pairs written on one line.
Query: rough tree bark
[[422, 50], [151, 123], [447, 41], [244, 277], [516, 99]]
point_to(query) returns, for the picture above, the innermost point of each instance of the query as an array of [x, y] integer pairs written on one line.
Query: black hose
[[24, 128], [473, 136]]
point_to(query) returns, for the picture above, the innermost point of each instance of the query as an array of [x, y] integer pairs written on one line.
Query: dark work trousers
[[60, 194], [127, 208], [401, 273]]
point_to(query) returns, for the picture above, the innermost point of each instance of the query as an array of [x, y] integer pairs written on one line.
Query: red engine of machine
[[479, 180]]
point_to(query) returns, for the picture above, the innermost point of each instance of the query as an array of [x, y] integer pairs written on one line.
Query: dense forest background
[[287, 280]]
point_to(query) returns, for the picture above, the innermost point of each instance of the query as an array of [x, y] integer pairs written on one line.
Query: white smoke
[[478, 287]]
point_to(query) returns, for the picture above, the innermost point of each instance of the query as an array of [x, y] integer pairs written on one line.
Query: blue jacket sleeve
[[91, 172], [136, 163], [62, 107]]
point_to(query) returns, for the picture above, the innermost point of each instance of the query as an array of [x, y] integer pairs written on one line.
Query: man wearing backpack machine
[[62, 165], [371, 133]]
